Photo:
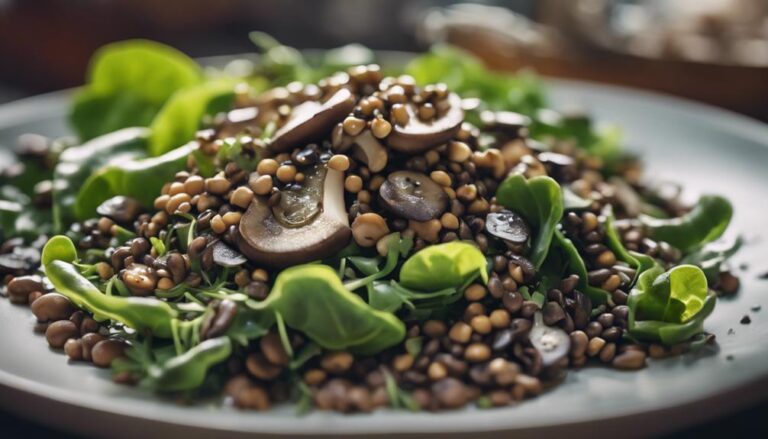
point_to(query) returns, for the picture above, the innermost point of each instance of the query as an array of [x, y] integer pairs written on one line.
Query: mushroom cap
[[311, 120], [413, 195], [418, 136], [264, 239]]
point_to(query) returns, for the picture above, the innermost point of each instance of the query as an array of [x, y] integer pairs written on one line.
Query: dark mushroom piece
[[508, 226], [19, 260], [414, 196], [226, 256], [418, 136], [552, 343], [306, 225], [239, 120], [508, 122], [311, 120], [120, 209]]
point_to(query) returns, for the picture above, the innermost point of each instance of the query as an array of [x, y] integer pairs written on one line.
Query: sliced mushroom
[[552, 343], [418, 136], [226, 256], [370, 151], [508, 122], [413, 196], [508, 226], [311, 121], [238, 121], [306, 225], [120, 209]]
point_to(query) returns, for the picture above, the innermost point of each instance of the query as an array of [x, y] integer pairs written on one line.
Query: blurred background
[[714, 51]]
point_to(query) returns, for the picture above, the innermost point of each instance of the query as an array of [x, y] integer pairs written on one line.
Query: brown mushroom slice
[[306, 225], [311, 120], [370, 151], [418, 136], [238, 121], [413, 196], [506, 121]]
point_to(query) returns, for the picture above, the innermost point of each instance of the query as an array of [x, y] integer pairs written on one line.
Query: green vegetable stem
[[141, 314], [669, 307], [188, 370]]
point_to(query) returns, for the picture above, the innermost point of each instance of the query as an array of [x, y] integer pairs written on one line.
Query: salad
[[346, 236]]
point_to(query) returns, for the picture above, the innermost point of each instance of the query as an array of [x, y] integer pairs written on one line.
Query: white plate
[[706, 149]]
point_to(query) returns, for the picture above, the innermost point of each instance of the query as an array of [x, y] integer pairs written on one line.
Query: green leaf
[[391, 296], [704, 223], [312, 299], [441, 266], [396, 246], [385, 297], [23, 219], [467, 76], [93, 115], [250, 325], [139, 313], [188, 370], [139, 179], [282, 64], [77, 163], [564, 254], [540, 202], [180, 118], [128, 82], [671, 306], [710, 258], [59, 248]]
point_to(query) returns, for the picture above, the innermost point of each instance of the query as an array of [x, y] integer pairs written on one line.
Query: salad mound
[[328, 232]]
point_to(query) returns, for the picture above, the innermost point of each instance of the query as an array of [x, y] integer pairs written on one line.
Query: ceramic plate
[[706, 149]]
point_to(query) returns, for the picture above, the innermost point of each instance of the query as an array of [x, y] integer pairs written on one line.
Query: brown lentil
[[286, 173], [460, 332], [339, 162], [477, 352], [474, 292], [336, 362], [267, 167], [353, 184], [106, 351]]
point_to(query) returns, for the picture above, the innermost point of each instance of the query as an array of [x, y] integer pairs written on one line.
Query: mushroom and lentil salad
[[347, 238]]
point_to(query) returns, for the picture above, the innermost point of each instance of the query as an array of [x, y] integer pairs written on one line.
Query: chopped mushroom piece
[[370, 151], [413, 196], [418, 136], [307, 225], [312, 120]]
